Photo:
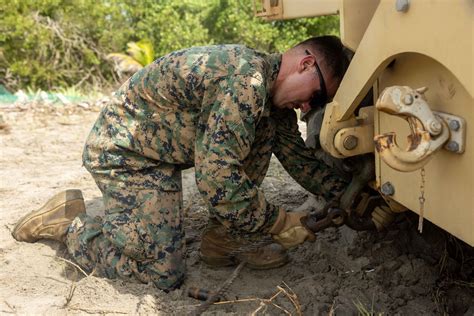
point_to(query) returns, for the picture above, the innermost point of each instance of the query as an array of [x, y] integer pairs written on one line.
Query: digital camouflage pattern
[[207, 107], [141, 234]]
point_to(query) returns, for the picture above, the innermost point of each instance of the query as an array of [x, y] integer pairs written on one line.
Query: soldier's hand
[[288, 230]]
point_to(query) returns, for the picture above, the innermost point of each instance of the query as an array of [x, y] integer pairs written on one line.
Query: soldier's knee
[[170, 281], [168, 272], [167, 276]]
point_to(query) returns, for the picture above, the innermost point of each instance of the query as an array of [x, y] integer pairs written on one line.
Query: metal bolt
[[402, 5], [350, 142], [435, 127], [387, 189], [454, 125], [408, 99], [452, 146]]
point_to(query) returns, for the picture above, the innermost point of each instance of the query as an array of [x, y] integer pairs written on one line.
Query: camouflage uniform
[[207, 107]]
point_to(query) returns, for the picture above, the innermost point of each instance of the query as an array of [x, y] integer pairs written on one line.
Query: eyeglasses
[[320, 97]]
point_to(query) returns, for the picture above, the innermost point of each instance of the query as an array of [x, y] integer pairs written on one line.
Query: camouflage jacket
[[201, 107]]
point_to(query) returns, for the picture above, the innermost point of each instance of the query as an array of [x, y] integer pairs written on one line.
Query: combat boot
[[52, 220], [220, 249]]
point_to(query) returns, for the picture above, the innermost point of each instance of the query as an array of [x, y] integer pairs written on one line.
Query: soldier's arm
[[231, 108], [299, 161]]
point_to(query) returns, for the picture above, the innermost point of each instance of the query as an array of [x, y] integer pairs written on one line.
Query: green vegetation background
[[53, 44]]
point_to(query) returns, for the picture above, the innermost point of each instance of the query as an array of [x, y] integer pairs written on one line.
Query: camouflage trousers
[[141, 235]]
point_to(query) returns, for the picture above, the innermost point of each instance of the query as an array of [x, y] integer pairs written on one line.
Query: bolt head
[[387, 189], [454, 125], [452, 146], [402, 5], [408, 99], [350, 142], [435, 126]]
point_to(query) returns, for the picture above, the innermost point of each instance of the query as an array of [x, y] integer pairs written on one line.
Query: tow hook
[[429, 131]]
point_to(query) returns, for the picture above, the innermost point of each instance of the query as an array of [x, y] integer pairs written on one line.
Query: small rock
[[400, 302], [4, 127], [420, 290], [392, 265]]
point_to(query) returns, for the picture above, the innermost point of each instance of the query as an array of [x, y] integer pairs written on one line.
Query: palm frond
[[125, 63], [140, 54]]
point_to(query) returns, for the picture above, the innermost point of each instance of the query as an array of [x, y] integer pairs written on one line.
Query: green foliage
[[47, 44], [140, 54], [171, 25], [52, 43]]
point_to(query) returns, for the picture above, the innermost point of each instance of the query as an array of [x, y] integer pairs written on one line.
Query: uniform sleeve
[[300, 162], [230, 111]]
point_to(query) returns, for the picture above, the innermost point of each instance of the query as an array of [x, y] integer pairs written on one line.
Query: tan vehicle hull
[[401, 46]]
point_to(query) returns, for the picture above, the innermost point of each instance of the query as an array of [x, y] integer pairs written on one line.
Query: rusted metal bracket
[[429, 130], [457, 132], [293, 9], [270, 9]]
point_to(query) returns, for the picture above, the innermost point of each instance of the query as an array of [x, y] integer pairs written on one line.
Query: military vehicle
[[411, 74]]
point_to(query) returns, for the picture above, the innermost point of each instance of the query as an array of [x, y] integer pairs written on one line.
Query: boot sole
[[217, 262], [57, 201]]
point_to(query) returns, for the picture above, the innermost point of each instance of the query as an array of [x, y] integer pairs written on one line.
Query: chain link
[[422, 200], [222, 290]]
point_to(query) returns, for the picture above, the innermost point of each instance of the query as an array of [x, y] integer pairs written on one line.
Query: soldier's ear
[[306, 63]]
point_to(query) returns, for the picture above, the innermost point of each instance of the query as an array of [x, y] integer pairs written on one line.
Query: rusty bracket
[[430, 131], [457, 132], [270, 9]]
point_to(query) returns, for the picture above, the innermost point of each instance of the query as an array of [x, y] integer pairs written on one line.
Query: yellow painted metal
[[431, 28], [355, 16], [449, 177], [364, 132], [331, 126], [307, 8], [292, 9], [269, 9], [431, 44]]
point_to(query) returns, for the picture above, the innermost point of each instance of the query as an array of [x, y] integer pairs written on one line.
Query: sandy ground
[[396, 272]]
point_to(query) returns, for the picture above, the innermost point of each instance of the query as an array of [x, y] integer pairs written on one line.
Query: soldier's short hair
[[332, 51]]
